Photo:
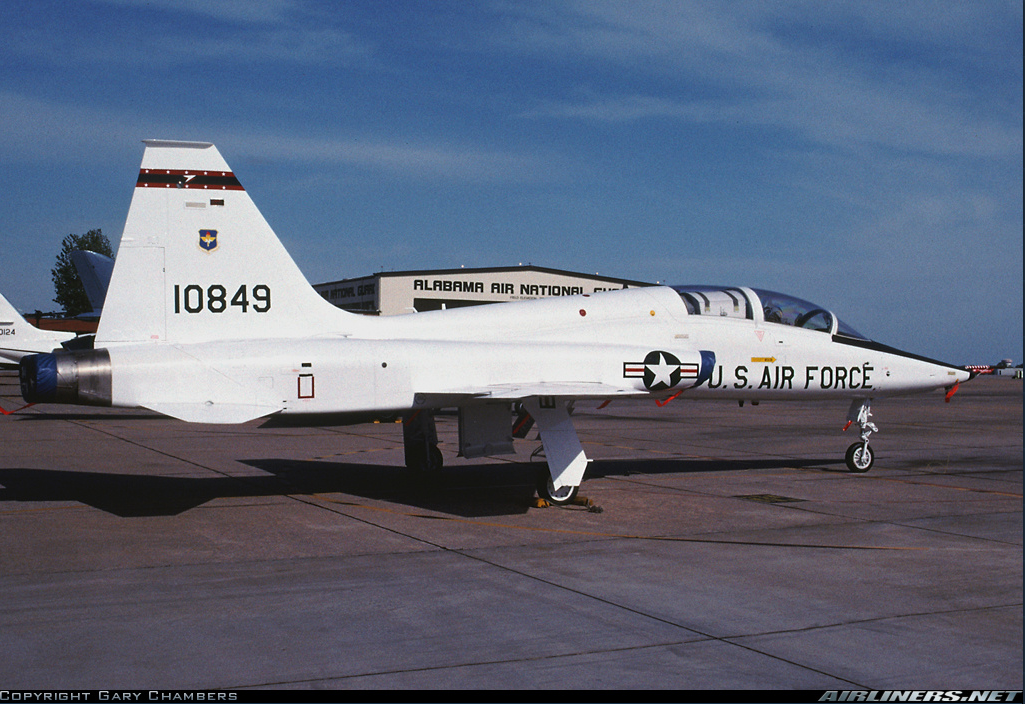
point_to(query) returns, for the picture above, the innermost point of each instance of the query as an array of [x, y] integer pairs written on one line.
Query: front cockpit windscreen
[[790, 310], [779, 308]]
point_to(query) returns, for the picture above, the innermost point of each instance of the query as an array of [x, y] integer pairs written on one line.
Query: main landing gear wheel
[[435, 460], [427, 459], [420, 442], [860, 458], [547, 491]]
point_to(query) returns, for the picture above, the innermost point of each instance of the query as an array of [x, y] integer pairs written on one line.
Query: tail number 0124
[[193, 298]]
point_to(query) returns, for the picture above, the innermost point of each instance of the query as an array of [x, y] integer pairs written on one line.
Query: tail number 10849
[[214, 298]]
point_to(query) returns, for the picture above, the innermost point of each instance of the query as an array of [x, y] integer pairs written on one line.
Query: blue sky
[[863, 155]]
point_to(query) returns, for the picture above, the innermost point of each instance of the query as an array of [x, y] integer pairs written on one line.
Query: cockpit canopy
[[762, 305]]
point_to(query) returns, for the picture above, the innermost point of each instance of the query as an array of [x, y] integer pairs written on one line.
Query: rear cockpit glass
[[721, 301]]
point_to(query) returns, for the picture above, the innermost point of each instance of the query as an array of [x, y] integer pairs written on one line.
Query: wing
[[579, 390]]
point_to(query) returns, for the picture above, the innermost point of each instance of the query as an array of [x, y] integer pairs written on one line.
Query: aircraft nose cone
[[920, 374], [956, 375]]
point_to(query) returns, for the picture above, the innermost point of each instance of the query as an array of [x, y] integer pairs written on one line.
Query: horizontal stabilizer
[[219, 413], [195, 385]]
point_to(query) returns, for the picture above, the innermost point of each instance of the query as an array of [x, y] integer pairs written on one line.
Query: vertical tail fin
[[18, 338], [198, 262]]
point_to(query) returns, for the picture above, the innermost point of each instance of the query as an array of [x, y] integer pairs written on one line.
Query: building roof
[[491, 270]]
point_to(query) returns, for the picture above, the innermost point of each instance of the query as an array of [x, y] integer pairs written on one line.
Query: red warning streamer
[[952, 390]]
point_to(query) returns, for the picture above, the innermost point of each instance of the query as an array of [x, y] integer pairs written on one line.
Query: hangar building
[[397, 292]]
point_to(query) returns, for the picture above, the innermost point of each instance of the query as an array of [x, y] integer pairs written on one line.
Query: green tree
[[68, 287]]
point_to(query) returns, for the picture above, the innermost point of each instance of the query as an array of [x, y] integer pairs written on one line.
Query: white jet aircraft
[[208, 319], [18, 338]]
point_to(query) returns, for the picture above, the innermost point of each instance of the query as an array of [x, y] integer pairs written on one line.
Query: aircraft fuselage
[[586, 347]]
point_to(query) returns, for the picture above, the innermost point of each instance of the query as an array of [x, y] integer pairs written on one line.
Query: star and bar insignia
[[660, 370]]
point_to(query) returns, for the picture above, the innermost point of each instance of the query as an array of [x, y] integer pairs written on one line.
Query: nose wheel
[[860, 457]]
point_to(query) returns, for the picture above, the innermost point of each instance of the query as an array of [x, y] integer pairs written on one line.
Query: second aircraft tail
[[18, 338]]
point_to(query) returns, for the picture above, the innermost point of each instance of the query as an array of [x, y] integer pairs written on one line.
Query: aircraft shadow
[[85, 415], [133, 496], [611, 468], [125, 495], [467, 491]]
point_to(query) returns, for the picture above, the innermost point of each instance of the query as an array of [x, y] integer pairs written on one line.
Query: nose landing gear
[[859, 456]]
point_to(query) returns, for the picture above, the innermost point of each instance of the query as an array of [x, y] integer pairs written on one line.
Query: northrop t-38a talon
[[208, 319]]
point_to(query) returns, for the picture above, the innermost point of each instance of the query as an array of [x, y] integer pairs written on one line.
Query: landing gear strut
[[563, 453], [420, 440], [860, 457]]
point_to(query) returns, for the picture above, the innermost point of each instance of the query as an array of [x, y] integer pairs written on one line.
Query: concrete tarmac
[[732, 549]]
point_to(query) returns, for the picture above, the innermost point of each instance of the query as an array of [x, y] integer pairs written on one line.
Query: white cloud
[[465, 162], [235, 11], [195, 33], [43, 129]]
